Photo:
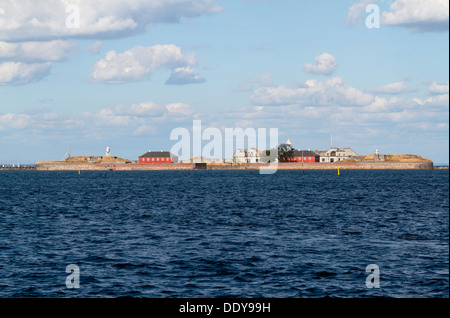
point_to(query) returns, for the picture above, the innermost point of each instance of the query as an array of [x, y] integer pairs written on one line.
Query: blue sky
[[136, 70]]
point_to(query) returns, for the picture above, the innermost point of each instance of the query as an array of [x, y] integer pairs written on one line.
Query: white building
[[337, 155], [247, 156]]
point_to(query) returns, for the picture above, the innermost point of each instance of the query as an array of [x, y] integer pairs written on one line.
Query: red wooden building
[[303, 156], [155, 157]]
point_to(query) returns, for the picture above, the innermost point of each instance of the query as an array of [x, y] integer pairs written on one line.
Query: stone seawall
[[109, 167], [281, 166], [358, 166]]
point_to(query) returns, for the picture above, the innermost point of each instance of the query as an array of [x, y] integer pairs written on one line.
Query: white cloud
[[394, 88], [37, 122], [51, 51], [180, 108], [439, 101], [18, 73], [141, 115], [356, 11], [31, 32], [17, 121], [149, 109], [436, 88], [184, 76], [27, 62], [328, 92], [31, 20], [326, 64], [125, 120], [138, 63], [418, 15]]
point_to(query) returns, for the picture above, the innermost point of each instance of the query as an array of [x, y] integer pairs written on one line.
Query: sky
[[91, 74]]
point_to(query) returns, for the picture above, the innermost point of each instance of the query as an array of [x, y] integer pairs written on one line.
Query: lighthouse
[[289, 144]]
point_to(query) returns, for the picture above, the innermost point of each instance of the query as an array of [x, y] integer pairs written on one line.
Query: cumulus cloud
[[17, 121], [394, 88], [184, 76], [435, 101], [415, 15], [418, 15], [26, 62], [138, 63], [30, 20], [328, 92], [356, 11], [52, 51], [138, 115], [139, 119], [149, 109], [18, 73], [37, 122], [436, 88], [326, 64], [32, 33], [180, 108]]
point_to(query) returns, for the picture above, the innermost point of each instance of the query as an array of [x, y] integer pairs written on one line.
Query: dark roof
[[157, 154], [305, 153]]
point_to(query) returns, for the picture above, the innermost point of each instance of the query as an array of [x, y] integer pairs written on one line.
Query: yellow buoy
[[79, 171], [339, 171]]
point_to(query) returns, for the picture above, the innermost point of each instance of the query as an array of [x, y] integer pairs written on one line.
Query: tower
[[289, 144]]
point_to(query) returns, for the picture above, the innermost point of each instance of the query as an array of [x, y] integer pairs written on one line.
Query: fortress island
[[251, 159]]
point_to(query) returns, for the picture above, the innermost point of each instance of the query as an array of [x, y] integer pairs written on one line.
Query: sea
[[224, 234]]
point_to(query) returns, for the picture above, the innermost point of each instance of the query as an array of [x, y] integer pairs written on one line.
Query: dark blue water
[[224, 234]]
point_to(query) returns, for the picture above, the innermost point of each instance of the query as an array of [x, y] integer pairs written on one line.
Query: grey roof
[[157, 154], [305, 153]]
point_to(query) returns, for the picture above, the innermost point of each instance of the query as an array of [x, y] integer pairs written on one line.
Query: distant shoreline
[[281, 166]]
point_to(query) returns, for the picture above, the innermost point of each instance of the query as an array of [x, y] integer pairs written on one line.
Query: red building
[[154, 157], [303, 156]]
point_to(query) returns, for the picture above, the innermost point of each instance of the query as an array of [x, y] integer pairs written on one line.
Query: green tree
[[285, 151], [269, 156]]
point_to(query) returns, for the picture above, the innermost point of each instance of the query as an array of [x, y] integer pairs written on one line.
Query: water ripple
[[224, 234]]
